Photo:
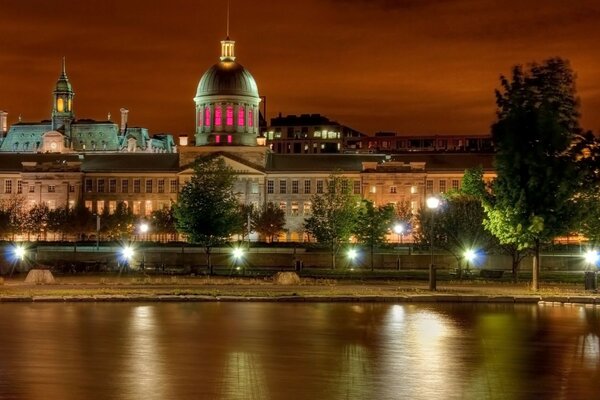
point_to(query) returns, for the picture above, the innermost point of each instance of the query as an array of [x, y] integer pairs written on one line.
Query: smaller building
[[392, 142], [310, 134]]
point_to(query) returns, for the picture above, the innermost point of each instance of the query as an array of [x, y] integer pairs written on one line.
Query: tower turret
[[62, 111]]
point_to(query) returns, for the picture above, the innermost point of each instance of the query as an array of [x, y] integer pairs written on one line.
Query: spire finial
[[228, 7], [64, 65]]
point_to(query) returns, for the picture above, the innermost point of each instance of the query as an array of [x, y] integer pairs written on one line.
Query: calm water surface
[[298, 351]]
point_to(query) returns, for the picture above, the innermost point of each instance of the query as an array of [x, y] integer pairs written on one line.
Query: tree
[[456, 227], [58, 221], [333, 215], [533, 194], [268, 221], [404, 215], [163, 221], [36, 220], [207, 211], [81, 221], [12, 217], [120, 224], [373, 225]]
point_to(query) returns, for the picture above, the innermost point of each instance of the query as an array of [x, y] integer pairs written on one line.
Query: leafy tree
[[58, 221], [120, 224], [207, 211], [81, 221], [473, 184], [533, 195], [373, 225], [404, 216], [36, 220], [456, 227], [163, 221], [12, 217], [268, 221], [333, 216]]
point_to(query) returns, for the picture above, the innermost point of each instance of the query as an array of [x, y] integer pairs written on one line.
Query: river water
[[298, 351]]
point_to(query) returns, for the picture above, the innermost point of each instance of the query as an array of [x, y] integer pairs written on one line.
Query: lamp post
[[238, 254], [469, 255], [144, 228], [432, 203], [352, 254], [591, 258], [399, 230], [127, 254]]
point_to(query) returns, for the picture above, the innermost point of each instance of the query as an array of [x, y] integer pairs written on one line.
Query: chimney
[[124, 113], [3, 126]]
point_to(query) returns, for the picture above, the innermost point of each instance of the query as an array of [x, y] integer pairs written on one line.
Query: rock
[[286, 278], [40, 277]]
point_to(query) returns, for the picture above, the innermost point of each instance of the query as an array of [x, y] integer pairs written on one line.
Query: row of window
[[442, 185], [307, 187], [218, 116], [138, 207], [110, 185], [8, 187], [295, 207]]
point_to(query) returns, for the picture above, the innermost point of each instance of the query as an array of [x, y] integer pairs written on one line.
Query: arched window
[[250, 117], [229, 115], [218, 116], [241, 116], [60, 105], [207, 116]]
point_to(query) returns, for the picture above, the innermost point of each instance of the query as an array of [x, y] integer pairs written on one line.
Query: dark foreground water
[[298, 351]]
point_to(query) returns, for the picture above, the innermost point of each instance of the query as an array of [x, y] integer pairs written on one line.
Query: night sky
[[410, 66]]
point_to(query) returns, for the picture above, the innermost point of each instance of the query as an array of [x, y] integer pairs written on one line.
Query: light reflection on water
[[297, 351]]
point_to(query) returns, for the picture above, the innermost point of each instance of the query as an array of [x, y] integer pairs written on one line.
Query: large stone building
[[64, 160]]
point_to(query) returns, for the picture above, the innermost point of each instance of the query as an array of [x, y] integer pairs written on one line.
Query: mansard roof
[[131, 162]]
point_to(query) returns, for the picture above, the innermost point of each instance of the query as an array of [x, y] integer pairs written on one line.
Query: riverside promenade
[[187, 289]]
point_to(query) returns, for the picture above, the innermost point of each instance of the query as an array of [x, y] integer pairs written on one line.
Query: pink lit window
[[199, 117], [218, 116], [241, 116], [217, 139], [250, 118], [207, 116], [229, 115], [229, 139]]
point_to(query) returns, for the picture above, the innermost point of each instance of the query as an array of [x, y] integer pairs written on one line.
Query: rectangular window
[[137, 186], [112, 206], [241, 116], [250, 118], [283, 206], [71, 188], [207, 116], [294, 209], [218, 116], [282, 186], [51, 204], [295, 186], [88, 205], [319, 186], [161, 186], [307, 207], [344, 186], [88, 186], [8, 186], [373, 189], [307, 187], [218, 139], [455, 184], [356, 187], [229, 115], [148, 185], [254, 188], [413, 190], [442, 186], [100, 186], [112, 186], [393, 190], [51, 188], [31, 189], [429, 186], [148, 208], [137, 207], [173, 186], [229, 139], [19, 187], [125, 186], [100, 206], [270, 186]]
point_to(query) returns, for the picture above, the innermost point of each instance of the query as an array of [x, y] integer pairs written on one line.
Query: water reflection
[[298, 351]]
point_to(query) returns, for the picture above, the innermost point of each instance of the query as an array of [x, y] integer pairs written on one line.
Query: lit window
[[137, 206], [307, 206], [207, 116], [217, 139], [88, 205], [294, 209], [100, 206], [229, 139], [229, 115], [413, 190], [218, 116], [241, 116], [250, 118], [283, 206], [148, 207], [112, 206], [60, 105], [373, 189]]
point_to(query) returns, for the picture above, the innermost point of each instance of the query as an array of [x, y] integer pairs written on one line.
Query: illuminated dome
[[227, 78], [227, 101]]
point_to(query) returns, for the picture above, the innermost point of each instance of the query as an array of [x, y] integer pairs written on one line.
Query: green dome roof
[[227, 78], [63, 85]]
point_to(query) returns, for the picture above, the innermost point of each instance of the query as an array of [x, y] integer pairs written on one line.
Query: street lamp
[[127, 254], [144, 228], [399, 230], [352, 255], [432, 203], [590, 282], [470, 256], [238, 254]]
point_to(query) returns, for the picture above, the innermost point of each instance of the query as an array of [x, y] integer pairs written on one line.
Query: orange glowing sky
[[410, 66]]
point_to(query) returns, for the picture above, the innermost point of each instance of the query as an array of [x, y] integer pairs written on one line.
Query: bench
[[491, 273]]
